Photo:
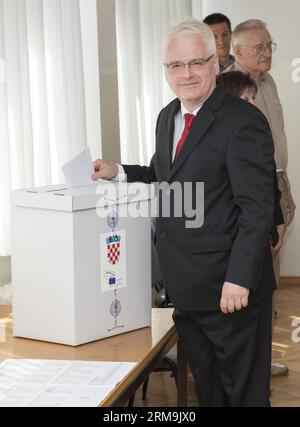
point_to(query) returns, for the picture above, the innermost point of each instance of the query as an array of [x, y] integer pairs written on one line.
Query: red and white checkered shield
[[113, 252]]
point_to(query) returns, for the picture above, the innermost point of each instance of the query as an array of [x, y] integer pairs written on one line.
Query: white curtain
[[142, 87], [43, 118]]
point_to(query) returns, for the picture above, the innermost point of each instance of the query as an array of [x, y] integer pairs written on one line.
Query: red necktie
[[188, 118]]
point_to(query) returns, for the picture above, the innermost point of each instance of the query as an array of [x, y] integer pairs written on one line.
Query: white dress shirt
[[179, 124]]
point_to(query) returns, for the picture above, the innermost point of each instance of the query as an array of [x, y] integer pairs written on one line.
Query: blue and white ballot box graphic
[[81, 261], [113, 267]]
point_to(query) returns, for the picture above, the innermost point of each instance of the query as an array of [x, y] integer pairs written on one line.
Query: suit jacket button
[[163, 235]]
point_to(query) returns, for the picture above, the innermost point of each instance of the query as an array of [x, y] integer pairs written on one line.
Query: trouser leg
[[202, 360], [244, 355], [230, 355]]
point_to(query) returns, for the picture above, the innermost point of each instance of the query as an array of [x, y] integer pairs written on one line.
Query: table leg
[[182, 371]]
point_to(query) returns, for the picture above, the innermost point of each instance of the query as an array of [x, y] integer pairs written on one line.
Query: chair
[[159, 300], [169, 362]]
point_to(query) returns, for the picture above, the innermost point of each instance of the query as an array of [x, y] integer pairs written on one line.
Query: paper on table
[[58, 382], [78, 171]]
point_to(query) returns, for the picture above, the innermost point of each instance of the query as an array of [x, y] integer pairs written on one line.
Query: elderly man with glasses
[[218, 274], [253, 48]]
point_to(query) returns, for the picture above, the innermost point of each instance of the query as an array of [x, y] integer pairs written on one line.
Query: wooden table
[[146, 347]]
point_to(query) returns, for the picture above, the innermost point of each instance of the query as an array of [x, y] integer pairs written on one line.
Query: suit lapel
[[169, 135], [204, 120], [202, 123]]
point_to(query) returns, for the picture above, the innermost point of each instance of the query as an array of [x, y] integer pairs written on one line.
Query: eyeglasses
[[262, 48], [195, 65]]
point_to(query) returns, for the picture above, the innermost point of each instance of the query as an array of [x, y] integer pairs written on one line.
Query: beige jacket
[[267, 100]]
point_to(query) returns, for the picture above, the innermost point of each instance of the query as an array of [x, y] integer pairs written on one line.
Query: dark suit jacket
[[230, 149], [278, 215]]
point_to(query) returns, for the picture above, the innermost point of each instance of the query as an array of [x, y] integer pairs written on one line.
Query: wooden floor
[[285, 390]]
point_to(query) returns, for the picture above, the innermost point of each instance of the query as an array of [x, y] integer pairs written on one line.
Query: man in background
[[253, 48], [221, 27]]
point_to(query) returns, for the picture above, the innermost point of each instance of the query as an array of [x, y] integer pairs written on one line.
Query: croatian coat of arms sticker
[[113, 260]]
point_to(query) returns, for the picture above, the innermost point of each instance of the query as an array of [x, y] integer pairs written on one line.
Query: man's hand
[[281, 228], [234, 297], [104, 170], [290, 209]]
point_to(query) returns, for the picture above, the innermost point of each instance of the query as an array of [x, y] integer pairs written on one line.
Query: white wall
[[108, 80], [5, 270], [283, 22]]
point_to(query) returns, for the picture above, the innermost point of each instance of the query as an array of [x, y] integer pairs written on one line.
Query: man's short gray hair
[[250, 24], [192, 27]]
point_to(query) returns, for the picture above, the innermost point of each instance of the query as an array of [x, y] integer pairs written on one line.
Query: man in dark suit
[[219, 276]]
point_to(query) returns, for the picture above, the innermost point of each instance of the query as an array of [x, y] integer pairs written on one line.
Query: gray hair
[[250, 24], [193, 28]]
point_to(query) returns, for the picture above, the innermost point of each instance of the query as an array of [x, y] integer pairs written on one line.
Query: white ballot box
[[81, 261]]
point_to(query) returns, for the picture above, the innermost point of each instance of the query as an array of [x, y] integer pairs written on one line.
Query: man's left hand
[[290, 209], [281, 228], [234, 297]]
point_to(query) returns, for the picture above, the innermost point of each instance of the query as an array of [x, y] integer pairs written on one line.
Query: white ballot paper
[[58, 383], [78, 171]]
